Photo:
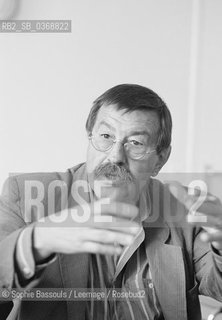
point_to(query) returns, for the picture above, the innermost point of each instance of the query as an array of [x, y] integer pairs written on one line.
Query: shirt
[[134, 279], [131, 275]]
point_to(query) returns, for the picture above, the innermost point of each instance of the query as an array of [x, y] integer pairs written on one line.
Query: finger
[[212, 198], [119, 209], [196, 192], [93, 247], [200, 219], [211, 237], [120, 225], [205, 220], [104, 236], [206, 203], [209, 208]]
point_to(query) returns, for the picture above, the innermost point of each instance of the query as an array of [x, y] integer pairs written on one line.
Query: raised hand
[[208, 215], [69, 236]]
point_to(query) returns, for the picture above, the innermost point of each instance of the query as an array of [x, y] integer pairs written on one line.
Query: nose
[[117, 153]]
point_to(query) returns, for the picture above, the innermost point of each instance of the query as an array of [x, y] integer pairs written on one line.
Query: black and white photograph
[[111, 160]]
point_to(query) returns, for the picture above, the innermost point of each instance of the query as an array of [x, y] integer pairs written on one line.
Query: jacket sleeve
[[15, 241], [208, 268], [11, 225]]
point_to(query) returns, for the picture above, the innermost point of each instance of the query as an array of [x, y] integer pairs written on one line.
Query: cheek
[[94, 158], [141, 170]]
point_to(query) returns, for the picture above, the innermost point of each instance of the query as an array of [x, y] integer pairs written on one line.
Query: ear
[[163, 157]]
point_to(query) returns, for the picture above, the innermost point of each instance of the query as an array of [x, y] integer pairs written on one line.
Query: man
[[108, 224]]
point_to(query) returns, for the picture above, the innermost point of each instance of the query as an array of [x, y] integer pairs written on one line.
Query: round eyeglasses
[[134, 149]]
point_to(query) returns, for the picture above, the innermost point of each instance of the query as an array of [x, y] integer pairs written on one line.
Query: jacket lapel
[[74, 272], [168, 274]]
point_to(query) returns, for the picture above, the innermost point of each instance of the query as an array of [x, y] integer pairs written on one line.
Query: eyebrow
[[107, 125], [141, 132]]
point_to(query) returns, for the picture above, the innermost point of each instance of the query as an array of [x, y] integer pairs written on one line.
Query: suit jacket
[[181, 265]]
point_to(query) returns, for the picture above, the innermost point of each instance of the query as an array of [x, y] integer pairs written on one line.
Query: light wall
[[48, 81]]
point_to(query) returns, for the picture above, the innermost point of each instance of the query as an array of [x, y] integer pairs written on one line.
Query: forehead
[[120, 120]]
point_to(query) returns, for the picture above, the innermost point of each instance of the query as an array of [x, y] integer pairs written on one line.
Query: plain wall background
[[48, 81]]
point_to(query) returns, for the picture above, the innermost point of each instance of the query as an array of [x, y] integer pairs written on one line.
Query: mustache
[[113, 171]]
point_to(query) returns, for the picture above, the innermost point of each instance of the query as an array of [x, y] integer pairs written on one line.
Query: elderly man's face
[[121, 177]]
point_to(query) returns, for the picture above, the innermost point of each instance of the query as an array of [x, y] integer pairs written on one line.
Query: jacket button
[[151, 285]]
